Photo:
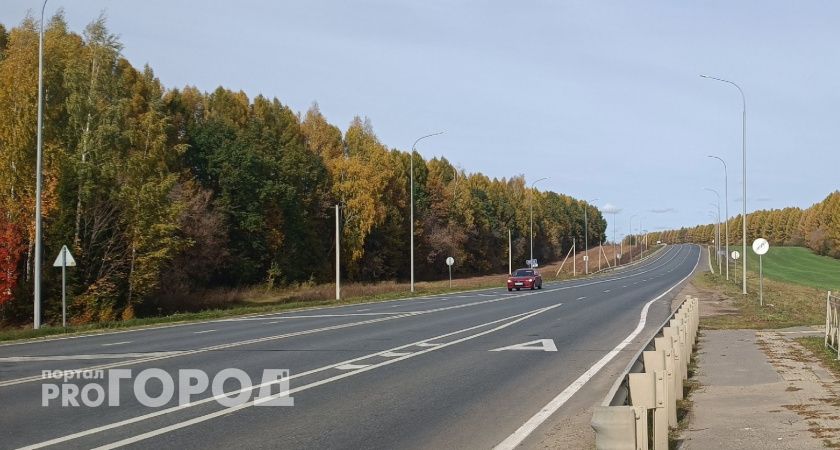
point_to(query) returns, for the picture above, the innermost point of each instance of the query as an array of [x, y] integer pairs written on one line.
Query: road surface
[[468, 370]]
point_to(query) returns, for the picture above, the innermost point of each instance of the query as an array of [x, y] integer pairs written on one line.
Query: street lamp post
[[411, 188], [630, 234], [718, 244], [615, 254], [38, 175], [744, 175], [716, 232], [532, 218], [726, 208], [586, 236]]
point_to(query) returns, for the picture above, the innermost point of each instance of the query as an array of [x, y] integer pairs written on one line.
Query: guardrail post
[[671, 335], [658, 361], [617, 427], [649, 390]]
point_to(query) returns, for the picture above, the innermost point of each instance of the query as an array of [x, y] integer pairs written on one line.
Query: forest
[[167, 193], [817, 228]]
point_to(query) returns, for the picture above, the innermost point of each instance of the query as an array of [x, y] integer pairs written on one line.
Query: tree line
[[816, 227], [161, 194]]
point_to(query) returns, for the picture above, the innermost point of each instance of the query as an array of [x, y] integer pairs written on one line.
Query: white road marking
[[272, 323], [658, 256], [433, 347], [78, 357], [391, 316], [427, 344], [116, 343], [606, 290], [581, 298], [351, 366], [203, 331], [528, 427], [363, 310], [544, 345], [315, 316], [394, 354]]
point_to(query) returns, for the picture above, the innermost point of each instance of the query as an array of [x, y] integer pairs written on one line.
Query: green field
[[800, 266]]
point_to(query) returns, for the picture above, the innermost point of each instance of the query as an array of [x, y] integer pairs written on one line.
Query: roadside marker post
[[64, 260], [760, 247], [735, 255], [449, 261]]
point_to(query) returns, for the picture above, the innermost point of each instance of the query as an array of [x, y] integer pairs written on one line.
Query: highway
[[446, 371]]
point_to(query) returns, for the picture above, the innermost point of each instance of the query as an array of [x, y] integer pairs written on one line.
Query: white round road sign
[[450, 260], [736, 254], [760, 246]]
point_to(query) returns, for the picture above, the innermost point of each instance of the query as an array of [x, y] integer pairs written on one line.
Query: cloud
[[663, 211], [611, 209]]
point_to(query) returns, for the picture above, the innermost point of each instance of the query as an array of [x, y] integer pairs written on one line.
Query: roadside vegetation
[[785, 304], [795, 285], [801, 266], [816, 345]]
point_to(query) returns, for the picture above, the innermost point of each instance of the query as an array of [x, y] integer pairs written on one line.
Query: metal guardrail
[[832, 323], [642, 404]]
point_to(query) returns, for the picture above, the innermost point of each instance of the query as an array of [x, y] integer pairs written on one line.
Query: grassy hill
[[800, 266]]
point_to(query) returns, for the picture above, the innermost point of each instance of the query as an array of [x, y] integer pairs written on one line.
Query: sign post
[[735, 255], [64, 260], [760, 247], [449, 261]]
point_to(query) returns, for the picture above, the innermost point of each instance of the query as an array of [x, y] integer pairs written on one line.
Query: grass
[[785, 304], [816, 345], [799, 265]]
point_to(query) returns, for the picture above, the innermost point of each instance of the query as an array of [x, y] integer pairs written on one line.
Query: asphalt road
[[430, 372]]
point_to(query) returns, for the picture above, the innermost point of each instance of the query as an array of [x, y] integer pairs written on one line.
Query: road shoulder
[[760, 389]]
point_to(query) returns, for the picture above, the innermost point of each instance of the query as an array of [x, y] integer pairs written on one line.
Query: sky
[[605, 97]]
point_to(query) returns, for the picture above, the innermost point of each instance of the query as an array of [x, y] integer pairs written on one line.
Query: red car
[[524, 278]]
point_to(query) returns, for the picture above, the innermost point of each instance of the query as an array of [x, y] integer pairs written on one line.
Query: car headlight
[[530, 280], [510, 281]]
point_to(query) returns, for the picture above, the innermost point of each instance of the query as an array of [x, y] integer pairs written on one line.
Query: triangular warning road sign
[[546, 345], [60, 260]]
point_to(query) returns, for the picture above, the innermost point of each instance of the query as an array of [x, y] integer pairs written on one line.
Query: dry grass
[[785, 304]]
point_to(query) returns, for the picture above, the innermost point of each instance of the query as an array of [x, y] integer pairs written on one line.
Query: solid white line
[[528, 427], [230, 410], [203, 331], [116, 343], [76, 357]]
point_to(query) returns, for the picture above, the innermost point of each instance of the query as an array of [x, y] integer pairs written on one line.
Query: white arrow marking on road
[[546, 345]]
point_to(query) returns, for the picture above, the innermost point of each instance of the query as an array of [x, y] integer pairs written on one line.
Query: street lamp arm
[[743, 97], [414, 145], [721, 160]]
